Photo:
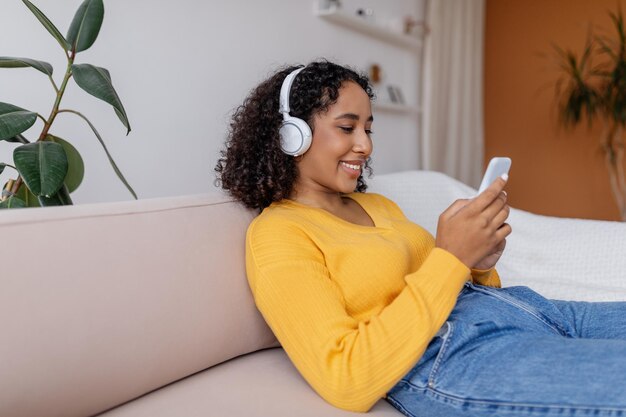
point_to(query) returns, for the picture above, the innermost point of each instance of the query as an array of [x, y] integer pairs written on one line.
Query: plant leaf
[[13, 62], [86, 25], [61, 198], [12, 202], [76, 166], [111, 161], [42, 165], [19, 138], [14, 120], [2, 167], [27, 196], [97, 82], [47, 24]]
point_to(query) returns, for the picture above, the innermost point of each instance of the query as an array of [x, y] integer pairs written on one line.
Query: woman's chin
[[348, 187]]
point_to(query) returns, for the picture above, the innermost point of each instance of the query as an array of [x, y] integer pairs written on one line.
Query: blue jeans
[[511, 352]]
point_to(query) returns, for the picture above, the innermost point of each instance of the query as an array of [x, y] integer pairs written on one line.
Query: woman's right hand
[[472, 229]]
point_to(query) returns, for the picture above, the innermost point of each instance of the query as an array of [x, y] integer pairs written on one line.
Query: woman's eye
[[350, 129]]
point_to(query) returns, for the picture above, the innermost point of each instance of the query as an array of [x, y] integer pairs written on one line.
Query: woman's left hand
[[490, 260]]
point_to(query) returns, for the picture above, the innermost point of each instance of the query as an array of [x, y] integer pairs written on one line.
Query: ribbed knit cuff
[[442, 264]]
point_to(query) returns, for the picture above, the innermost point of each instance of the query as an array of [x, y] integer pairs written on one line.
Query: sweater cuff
[[481, 273], [442, 263], [486, 277]]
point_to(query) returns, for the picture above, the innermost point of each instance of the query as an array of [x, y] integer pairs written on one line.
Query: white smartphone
[[497, 166]]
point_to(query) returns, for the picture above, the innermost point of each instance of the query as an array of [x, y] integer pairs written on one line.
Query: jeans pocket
[[531, 304], [419, 375], [446, 339]]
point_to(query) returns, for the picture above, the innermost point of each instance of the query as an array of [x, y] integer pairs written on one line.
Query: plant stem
[[6, 193], [612, 159], [57, 102], [618, 145], [16, 185], [55, 110]]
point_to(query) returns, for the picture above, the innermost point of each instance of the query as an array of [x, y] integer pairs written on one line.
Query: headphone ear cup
[[295, 136]]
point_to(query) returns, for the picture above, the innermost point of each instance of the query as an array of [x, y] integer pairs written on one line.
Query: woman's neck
[[330, 201]]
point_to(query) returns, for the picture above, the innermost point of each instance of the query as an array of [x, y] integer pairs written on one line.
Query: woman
[[369, 305]]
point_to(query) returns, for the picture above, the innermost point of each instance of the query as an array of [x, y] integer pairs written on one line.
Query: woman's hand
[[475, 230], [491, 260]]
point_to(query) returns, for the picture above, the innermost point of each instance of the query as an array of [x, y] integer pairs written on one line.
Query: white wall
[[180, 69]]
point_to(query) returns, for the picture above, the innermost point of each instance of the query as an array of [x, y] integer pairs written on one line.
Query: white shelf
[[343, 18], [387, 107]]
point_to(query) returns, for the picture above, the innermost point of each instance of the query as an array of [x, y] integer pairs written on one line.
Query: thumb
[[455, 207]]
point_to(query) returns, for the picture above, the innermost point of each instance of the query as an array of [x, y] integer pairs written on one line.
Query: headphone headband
[[295, 134], [285, 89]]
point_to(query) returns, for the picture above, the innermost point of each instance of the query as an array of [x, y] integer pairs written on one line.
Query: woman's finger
[[501, 216], [503, 231], [495, 207], [454, 208], [484, 199]]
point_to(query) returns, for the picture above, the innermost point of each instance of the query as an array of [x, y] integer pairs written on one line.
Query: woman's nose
[[362, 143]]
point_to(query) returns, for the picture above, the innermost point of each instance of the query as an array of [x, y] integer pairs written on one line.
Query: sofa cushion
[[102, 303], [259, 384]]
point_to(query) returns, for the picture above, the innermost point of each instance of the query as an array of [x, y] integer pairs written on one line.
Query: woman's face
[[341, 143]]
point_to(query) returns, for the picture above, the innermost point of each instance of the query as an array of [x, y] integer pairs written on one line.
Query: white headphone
[[295, 134]]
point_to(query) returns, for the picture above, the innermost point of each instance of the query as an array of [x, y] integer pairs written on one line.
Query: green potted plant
[[50, 168], [598, 93]]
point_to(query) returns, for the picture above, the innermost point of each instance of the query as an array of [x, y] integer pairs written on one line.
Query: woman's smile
[[353, 168]]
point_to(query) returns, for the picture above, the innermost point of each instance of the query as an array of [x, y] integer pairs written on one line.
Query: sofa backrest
[[102, 303]]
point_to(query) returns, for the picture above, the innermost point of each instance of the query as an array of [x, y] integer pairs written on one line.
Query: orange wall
[[554, 172]]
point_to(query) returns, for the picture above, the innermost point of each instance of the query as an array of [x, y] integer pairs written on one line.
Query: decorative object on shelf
[[588, 91], [387, 107], [395, 94], [406, 25], [351, 21], [393, 36], [409, 24], [392, 94], [374, 73], [416, 28], [329, 4], [50, 168], [366, 14]]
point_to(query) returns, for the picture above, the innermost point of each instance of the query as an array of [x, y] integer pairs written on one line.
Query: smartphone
[[497, 166]]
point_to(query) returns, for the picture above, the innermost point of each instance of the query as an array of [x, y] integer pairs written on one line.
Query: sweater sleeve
[[350, 363], [486, 277]]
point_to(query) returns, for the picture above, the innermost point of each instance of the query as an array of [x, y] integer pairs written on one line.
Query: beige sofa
[[142, 308]]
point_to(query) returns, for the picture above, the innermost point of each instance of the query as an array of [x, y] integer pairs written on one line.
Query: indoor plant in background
[[50, 168], [598, 92]]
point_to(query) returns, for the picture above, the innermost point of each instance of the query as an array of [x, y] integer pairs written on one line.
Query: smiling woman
[[340, 147], [256, 169], [368, 304]]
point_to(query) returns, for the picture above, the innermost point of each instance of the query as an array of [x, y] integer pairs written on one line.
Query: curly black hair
[[253, 168]]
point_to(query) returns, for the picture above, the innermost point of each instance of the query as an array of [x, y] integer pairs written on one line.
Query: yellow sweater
[[353, 306]]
